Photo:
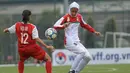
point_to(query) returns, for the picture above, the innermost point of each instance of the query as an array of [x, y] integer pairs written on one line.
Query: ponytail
[[26, 16], [25, 19]]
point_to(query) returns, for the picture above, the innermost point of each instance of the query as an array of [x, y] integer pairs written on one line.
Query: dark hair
[[26, 16]]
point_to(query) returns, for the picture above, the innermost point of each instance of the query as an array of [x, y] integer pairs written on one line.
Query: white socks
[[82, 64], [77, 61]]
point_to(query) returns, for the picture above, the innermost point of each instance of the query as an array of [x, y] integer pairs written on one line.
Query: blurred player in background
[[38, 63], [27, 35], [70, 23]]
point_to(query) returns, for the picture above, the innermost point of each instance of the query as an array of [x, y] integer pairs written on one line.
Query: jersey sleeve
[[35, 33], [86, 26], [58, 24], [12, 29]]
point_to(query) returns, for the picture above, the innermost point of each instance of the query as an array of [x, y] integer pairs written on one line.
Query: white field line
[[14, 65], [100, 69]]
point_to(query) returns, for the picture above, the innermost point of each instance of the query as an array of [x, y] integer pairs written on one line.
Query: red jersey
[[24, 34], [27, 47]]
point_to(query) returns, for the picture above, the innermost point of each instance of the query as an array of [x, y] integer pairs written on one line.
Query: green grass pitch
[[120, 68]]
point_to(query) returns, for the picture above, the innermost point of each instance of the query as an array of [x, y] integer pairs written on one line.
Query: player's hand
[[97, 33], [5, 30], [66, 24], [51, 48]]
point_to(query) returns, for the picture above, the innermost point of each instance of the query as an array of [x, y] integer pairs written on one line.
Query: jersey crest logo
[[77, 19], [68, 19]]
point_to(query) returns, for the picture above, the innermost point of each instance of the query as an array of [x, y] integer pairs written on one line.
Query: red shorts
[[34, 51]]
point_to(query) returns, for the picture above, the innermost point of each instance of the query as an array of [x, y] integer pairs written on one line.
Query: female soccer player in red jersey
[[27, 35]]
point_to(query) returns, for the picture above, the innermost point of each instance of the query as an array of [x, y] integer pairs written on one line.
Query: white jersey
[[71, 32]]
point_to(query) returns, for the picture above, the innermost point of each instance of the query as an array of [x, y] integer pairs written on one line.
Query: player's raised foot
[[73, 71]]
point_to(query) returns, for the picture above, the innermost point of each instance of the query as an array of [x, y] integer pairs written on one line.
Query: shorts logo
[[60, 58], [75, 44]]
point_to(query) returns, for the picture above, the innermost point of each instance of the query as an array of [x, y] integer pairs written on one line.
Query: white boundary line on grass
[[95, 70], [14, 65], [102, 70]]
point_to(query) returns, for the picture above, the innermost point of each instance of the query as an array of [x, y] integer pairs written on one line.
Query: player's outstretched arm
[[10, 29], [88, 27], [35, 36], [5, 30], [97, 33], [51, 48]]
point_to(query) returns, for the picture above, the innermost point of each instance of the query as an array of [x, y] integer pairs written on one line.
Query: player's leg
[[84, 61], [77, 60], [80, 54], [40, 54], [21, 66], [21, 61], [47, 59]]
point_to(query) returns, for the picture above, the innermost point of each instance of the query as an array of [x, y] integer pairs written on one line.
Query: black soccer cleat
[[73, 71]]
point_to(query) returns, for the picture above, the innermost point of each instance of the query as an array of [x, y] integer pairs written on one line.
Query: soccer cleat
[[73, 71]]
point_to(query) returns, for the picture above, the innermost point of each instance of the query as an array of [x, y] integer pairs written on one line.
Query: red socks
[[48, 66], [21, 66]]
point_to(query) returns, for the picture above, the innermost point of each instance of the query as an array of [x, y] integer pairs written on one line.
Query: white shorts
[[77, 48]]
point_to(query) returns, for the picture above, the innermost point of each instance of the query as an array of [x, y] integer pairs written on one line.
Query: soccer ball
[[51, 33]]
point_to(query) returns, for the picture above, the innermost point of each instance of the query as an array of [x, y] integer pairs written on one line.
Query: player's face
[[74, 11]]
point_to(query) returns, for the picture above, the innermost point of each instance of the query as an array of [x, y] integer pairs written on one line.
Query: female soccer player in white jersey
[[70, 23]]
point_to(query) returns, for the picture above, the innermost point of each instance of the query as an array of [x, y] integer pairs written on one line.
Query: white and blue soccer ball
[[51, 33]]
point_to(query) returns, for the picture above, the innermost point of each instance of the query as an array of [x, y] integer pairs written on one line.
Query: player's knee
[[82, 54], [47, 58], [87, 57]]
